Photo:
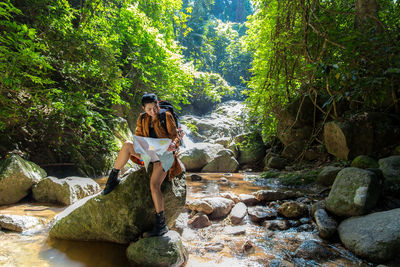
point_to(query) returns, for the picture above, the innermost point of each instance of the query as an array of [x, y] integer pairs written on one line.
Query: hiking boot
[[112, 182], [160, 228]]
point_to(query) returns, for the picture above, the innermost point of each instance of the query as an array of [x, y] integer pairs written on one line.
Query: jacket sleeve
[[139, 126], [172, 128]]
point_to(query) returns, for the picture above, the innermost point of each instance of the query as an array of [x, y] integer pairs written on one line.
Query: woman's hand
[[172, 146]]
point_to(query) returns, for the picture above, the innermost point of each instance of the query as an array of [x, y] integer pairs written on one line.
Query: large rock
[[258, 214], [17, 176], [375, 237], [273, 195], [251, 148], [354, 192], [238, 212], [200, 220], [122, 215], [19, 223], [215, 207], [328, 175], [166, 250], [326, 224], [224, 161], [312, 250], [368, 133], [65, 191], [292, 209], [391, 171], [196, 157], [364, 162]]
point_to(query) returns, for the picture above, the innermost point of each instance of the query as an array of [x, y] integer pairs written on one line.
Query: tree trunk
[[366, 15]]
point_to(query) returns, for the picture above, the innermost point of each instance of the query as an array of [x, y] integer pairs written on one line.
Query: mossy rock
[[364, 162], [293, 178]]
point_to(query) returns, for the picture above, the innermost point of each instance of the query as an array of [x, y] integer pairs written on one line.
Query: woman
[[149, 125]]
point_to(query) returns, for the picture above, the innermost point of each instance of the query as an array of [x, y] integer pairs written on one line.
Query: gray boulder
[[122, 215], [391, 171], [19, 223], [251, 148], [354, 192], [17, 176], [65, 191], [195, 158], [260, 213], [224, 161], [238, 212], [277, 163], [312, 250], [326, 224], [166, 250], [375, 236], [215, 207], [200, 220], [327, 175]]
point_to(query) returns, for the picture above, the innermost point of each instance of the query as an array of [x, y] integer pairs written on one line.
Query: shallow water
[[210, 246]]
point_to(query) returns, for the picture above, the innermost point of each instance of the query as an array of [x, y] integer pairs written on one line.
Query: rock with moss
[[327, 175], [354, 192], [251, 148], [375, 237], [122, 215], [64, 191], [396, 151], [390, 167], [299, 178], [278, 163], [166, 250], [224, 161], [292, 209], [364, 162], [17, 176]]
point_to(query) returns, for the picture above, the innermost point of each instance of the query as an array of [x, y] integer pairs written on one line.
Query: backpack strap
[[163, 119]]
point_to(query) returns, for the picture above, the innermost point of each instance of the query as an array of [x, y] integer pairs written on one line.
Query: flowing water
[[210, 246]]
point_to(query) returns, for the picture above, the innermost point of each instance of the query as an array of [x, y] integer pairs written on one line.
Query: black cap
[[149, 98]]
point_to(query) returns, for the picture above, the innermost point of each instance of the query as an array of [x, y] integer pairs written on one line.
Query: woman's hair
[[149, 98]]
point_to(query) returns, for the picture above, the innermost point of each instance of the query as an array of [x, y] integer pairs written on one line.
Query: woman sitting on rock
[[149, 125]]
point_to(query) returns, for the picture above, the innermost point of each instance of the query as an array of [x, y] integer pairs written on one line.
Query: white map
[[153, 149]]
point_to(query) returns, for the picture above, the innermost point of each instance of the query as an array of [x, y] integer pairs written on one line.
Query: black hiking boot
[[112, 182], [160, 228]]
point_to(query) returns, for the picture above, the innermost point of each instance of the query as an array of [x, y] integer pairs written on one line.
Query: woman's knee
[[155, 186], [129, 146]]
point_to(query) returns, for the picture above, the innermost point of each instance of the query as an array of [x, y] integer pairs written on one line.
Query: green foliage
[[316, 49]]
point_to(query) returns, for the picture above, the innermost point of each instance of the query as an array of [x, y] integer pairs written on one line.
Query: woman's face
[[152, 109]]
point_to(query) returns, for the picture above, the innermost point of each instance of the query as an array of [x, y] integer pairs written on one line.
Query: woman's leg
[[156, 179], [128, 148]]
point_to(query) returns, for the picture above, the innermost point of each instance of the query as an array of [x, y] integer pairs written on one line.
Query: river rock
[[280, 225], [238, 212], [196, 157], [292, 209], [231, 196], [224, 161], [251, 148], [364, 162], [200, 220], [65, 191], [375, 236], [280, 263], [316, 206], [122, 215], [278, 163], [391, 171], [215, 207], [312, 250], [19, 223], [260, 213], [200, 205], [328, 175], [354, 192], [166, 250], [249, 200], [235, 230], [273, 195], [215, 247], [17, 176], [326, 224], [195, 177]]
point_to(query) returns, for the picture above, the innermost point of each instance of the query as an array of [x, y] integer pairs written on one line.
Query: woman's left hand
[[172, 146]]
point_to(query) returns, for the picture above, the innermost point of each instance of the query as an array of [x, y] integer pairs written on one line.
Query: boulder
[[122, 215], [375, 237], [251, 148], [249, 200], [65, 191], [200, 220], [260, 213], [364, 162], [292, 209], [224, 161], [328, 175], [17, 176], [19, 223], [215, 207], [231, 196], [200, 205], [326, 224], [166, 250], [238, 212], [235, 230], [354, 192], [273, 195], [391, 171], [312, 250], [280, 225], [316, 206], [196, 157], [278, 163]]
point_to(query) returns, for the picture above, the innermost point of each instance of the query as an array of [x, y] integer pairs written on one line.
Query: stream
[[210, 246]]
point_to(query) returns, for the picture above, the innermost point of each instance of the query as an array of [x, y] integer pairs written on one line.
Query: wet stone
[[200, 206], [260, 213], [247, 247], [305, 220], [280, 225], [280, 263], [19, 223], [316, 206], [215, 247], [235, 230], [305, 228], [238, 212], [195, 177], [200, 220], [273, 195], [230, 196], [326, 225], [292, 209], [312, 250], [249, 200]]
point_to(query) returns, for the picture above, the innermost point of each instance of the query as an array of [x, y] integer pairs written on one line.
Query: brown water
[[37, 249]]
